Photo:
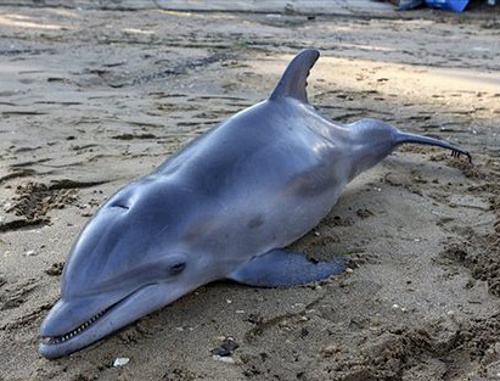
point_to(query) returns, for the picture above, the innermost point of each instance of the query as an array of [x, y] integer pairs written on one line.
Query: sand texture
[[91, 99]]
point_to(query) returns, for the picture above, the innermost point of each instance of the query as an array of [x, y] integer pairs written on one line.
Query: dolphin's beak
[[75, 324]]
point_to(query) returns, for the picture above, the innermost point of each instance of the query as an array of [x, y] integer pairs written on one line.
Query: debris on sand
[[56, 269], [225, 359], [120, 361], [30, 253], [226, 348]]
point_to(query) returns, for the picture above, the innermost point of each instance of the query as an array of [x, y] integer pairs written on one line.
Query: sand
[[91, 99]]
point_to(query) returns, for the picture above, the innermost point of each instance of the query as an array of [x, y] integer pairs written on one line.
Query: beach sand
[[91, 99]]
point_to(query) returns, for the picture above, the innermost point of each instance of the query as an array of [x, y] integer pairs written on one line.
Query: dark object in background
[[406, 5]]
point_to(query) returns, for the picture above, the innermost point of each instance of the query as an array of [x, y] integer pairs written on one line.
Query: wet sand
[[91, 99]]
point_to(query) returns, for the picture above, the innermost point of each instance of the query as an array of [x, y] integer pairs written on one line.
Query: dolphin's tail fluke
[[403, 137]]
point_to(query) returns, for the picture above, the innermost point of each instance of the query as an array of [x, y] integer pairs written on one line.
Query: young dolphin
[[224, 207]]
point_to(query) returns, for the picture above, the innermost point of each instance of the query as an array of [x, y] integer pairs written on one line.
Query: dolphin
[[223, 207]]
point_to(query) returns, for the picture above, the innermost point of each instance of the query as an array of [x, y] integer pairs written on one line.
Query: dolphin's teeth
[[75, 332]]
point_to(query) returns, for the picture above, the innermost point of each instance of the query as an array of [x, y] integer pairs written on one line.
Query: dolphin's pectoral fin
[[280, 268], [293, 82]]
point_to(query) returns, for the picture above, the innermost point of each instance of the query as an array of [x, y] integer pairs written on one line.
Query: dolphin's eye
[[177, 268]]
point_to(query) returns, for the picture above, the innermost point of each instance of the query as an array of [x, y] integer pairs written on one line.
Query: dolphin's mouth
[[56, 342], [87, 325], [53, 340]]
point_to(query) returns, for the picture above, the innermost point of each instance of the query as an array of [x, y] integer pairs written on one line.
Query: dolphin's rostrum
[[225, 206]]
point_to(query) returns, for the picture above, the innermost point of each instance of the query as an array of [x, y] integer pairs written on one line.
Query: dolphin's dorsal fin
[[293, 82]]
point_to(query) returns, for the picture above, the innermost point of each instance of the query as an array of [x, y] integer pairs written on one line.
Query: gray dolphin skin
[[223, 207]]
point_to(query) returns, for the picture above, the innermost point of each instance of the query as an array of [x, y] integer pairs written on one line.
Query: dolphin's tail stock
[[404, 137]]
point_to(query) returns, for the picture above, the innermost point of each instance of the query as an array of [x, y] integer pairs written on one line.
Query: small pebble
[[497, 347], [225, 359], [349, 270], [30, 253], [120, 361], [375, 321], [226, 348], [330, 350], [397, 307]]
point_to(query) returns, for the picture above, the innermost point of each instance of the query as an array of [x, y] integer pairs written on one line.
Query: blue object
[[449, 5]]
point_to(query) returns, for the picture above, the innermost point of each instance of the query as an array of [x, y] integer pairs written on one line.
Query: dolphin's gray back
[[267, 174]]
